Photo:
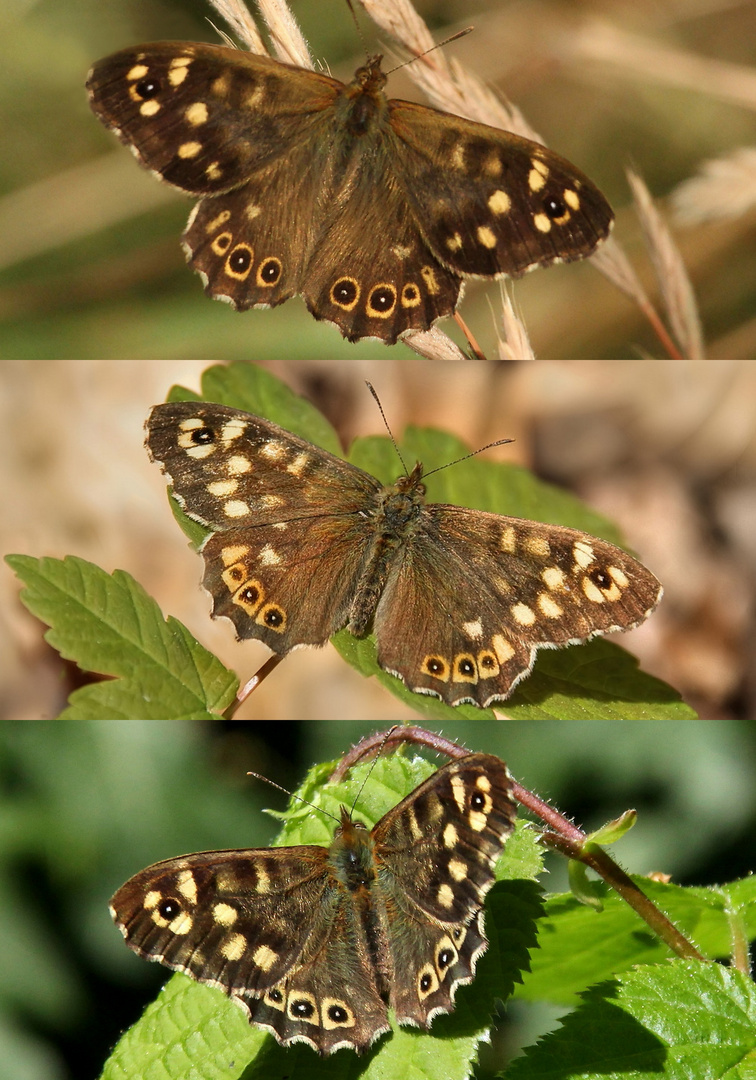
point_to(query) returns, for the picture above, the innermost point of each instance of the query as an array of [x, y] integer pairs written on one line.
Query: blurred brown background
[[666, 448]]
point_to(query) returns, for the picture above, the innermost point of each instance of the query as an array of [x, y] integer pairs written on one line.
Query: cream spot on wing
[[270, 502], [222, 488], [508, 540], [458, 156], [618, 576], [457, 869], [269, 556], [137, 72], [523, 614], [202, 451], [450, 836], [189, 150], [537, 545], [553, 577], [233, 947], [153, 897], [454, 242], [536, 180], [274, 450], [445, 896], [592, 591], [233, 429], [253, 99], [504, 649], [196, 113], [233, 553], [181, 925], [213, 171], [486, 236], [150, 108], [251, 211], [298, 465], [548, 606], [225, 915], [499, 202], [238, 465], [571, 198], [428, 274], [187, 886], [458, 791], [483, 783], [263, 881], [415, 829], [477, 820], [235, 508], [218, 220], [264, 957], [474, 629], [492, 165], [542, 223], [582, 553]]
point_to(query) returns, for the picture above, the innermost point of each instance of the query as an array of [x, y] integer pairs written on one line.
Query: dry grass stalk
[[515, 344], [242, 24], [674, 283], [446, 83], [724, 187], [433, 344]]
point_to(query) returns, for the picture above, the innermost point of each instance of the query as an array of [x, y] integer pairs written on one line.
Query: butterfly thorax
[[352, 854], [396, 519], [365, 101]]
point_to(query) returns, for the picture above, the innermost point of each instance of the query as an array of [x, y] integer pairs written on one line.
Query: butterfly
[[304, 543], [316, 943], [374, 210]]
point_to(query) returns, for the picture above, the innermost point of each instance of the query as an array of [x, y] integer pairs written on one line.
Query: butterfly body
[[316, 943], [374, 209], [304, 544]]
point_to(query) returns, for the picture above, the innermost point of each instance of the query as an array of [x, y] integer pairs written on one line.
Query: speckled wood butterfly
[[375, 210], [317, 943], [303, 544]]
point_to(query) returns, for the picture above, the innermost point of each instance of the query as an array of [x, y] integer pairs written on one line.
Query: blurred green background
[[90, 264], [85, 806]]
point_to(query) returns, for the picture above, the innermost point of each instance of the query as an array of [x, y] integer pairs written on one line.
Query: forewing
[[489, 202], [239, 920], [206, 117], [474, 596], [289, 518]]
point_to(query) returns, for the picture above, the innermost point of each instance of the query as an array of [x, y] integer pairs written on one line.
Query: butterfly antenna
[[355, 20], [371, 388], [474, 453], [292, 795], [382, 743], [439, 45]]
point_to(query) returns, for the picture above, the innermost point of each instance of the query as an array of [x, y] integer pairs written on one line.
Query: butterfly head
[[369, 79]]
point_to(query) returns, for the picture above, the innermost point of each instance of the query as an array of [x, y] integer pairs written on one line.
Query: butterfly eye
[[360, 825]]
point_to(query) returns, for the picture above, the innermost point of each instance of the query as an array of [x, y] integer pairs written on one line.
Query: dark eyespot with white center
[[168, 909], [147, 88]]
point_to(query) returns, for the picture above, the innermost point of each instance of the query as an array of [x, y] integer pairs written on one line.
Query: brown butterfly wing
[[435, 855], [291, 533], [488, 202], [206, 117], [473, 597]]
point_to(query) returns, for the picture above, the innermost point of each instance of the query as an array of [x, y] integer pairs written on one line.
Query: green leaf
[[108, 624], [580, 946], [682, 1020], [194, 1030]]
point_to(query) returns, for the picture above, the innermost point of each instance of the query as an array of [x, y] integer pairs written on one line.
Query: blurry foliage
[[85, 805]]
